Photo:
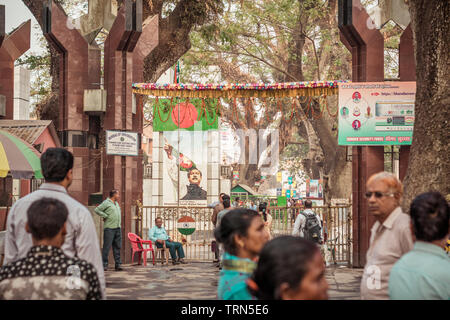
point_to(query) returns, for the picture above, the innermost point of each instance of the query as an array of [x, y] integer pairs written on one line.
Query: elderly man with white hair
[[390, 236]]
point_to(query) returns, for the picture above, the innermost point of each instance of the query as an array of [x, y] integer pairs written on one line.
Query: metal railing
[[196, 246], [337, 222]]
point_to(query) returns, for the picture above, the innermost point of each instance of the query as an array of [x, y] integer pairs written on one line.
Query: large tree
[[429, 160], [280, 41]]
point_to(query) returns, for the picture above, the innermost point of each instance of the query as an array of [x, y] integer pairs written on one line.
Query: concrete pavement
[[198, 281]]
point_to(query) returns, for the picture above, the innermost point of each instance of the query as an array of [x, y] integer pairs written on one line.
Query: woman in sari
[[242, 234]]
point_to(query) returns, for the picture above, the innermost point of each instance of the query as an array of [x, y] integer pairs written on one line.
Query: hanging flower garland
[[158, 106], [205, 112], [280, 108], [264, 106], [313, 113], [328, 108], [292, 111]]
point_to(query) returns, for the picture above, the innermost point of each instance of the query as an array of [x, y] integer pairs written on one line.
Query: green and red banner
[[188, 114]]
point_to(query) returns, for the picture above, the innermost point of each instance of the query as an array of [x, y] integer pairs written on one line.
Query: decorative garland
[[205, 112], [158, 107], [261, 90], [308, 112]]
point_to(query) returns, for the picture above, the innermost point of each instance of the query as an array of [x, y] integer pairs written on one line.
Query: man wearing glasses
[[390, 235]]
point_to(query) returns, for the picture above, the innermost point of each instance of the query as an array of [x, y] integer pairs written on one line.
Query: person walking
[[109, 210], [289, 268], [81, 239], [159, 236], [308, 224], [390, 235], [242, 234], [226, 208], [217, 207], [46, 273], [423, 273], [226, 203]]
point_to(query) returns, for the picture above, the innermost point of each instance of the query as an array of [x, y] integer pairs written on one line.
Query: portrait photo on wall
[[185, 168]]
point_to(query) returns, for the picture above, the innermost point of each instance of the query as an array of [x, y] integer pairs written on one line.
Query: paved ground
[[344, 283], [198, 281]]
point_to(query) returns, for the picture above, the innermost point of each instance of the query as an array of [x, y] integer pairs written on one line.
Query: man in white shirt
[[300, 222], [390, 235], [81, 239]]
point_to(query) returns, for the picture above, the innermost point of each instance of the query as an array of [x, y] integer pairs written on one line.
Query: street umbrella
[[18, 158]]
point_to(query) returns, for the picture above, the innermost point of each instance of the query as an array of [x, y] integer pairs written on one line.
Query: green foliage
[[34, 62]]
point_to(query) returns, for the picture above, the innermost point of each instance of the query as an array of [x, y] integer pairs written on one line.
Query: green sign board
[[376, 113], [281, 201]]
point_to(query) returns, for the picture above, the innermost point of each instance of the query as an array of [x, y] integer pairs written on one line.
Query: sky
[[16, 13]]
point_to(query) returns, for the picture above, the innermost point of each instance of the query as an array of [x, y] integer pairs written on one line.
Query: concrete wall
[[98, 221], [147, 192], [21, 93]]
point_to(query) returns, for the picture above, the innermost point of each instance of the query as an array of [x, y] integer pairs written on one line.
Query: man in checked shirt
[[46, 273], [81, 240]]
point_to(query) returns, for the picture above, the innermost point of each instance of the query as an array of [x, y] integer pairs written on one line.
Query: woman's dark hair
[[283, 259], [46, 217], [262, 208], [430, 216], [234, 222], [55, 163], [113, 192]]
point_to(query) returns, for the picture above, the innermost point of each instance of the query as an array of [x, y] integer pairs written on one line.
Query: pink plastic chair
[[137, 244]]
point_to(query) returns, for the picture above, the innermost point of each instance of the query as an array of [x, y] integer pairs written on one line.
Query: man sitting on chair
[[159, 236]]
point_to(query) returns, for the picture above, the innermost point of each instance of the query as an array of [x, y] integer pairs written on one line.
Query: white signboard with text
[[122, 143]]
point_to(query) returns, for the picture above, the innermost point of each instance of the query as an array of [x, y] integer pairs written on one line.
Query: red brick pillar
[[121, 172], [73, 122], [367, 47], [12, 46]]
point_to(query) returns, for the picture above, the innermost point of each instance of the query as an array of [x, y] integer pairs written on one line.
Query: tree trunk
[[429, 159]]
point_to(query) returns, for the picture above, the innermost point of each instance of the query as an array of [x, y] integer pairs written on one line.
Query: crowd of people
[[406, 258], [51, 245], [52, 249]]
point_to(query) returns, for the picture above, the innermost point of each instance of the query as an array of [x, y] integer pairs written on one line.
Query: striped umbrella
[[18, 158]]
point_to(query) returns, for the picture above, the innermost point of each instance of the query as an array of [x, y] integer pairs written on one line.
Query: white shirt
[[81, 237], [389, 241], [299, 225]]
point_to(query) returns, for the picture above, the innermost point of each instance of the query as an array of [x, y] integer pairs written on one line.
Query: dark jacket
[[194, 192]]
